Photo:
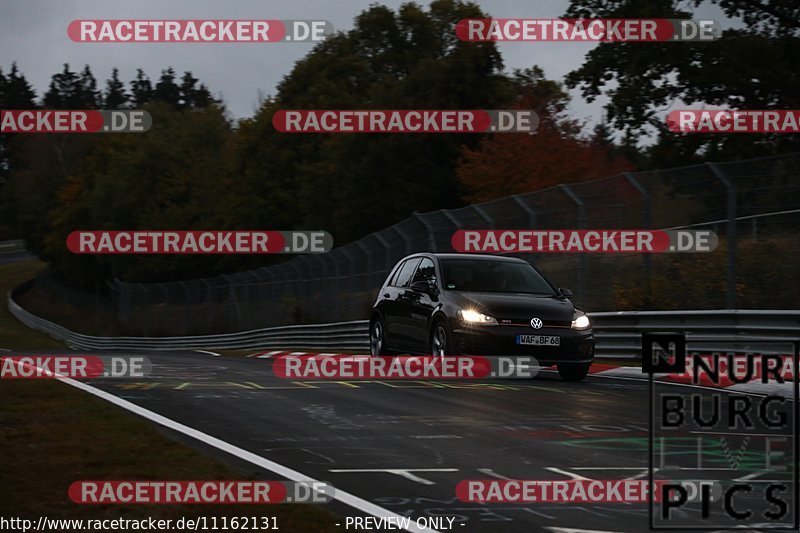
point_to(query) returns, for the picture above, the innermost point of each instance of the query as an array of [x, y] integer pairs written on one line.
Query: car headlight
[[580, 321], [473, 317]]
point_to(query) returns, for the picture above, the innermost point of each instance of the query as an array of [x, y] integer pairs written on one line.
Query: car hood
[[520, 308]]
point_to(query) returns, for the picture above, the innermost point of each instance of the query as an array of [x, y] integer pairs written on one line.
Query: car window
[[403, 277], [394, 274], [493, 276], [425, 271]]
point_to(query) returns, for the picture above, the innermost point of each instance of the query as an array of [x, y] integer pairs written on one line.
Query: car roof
[[479, 257]]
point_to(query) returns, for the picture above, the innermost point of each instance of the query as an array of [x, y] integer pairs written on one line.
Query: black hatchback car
[[458, 304]]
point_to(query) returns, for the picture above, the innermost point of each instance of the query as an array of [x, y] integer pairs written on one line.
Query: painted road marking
[[277, 468], [215, 354], [402, 472], [567, 473], [492, 473], [265, 355], [573, 530]]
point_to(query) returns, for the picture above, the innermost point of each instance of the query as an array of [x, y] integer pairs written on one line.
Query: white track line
[[344, 497], [215, 354]]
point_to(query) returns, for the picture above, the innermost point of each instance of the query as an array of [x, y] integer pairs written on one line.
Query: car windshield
[[482, 275]]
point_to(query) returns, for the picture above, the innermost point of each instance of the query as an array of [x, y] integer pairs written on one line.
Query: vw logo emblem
[[536, 323]]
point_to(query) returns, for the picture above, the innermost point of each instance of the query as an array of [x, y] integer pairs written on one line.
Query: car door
[[392, 307], [416, 307]]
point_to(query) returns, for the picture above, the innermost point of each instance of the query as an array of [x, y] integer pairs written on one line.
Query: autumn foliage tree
[[557, 152]]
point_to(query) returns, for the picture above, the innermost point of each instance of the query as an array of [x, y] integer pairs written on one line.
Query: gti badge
[[536, 322]]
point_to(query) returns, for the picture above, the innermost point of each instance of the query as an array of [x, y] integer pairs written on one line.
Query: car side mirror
[[566, 293], [426, 286]]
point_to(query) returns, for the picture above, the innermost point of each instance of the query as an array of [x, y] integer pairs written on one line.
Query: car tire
[[573, 371], [377, 338], [440, 339]]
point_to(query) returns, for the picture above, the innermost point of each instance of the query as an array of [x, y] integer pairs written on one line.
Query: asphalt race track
[[405, 445]]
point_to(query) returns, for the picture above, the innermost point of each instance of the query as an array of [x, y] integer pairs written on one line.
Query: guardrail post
[[299, 299], [532, 220], [647, 218], [581, 225], [365, 285], [233, 303], [429, 229], [482, 212], [453, 220], [404, 236], [387, 260], [351, 264], [730, 272]]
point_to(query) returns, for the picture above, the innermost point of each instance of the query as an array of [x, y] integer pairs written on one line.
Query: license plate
[[539, 340]]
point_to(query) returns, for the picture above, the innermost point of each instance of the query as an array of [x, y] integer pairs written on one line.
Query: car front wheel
[[440, 340], [573, 371], [377, 338]]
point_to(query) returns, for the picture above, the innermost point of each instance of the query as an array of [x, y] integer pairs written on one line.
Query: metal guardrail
[[12, 246], [335, 336], [618, 334]]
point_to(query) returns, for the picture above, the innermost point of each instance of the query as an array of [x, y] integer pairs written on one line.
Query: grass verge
[[52, 435], [14, 335]]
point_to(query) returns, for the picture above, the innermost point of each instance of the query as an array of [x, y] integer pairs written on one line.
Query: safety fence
[[753, 205]]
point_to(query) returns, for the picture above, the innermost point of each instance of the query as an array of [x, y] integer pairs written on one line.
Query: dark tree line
[[755, 65], [195, 169], [34, 168]]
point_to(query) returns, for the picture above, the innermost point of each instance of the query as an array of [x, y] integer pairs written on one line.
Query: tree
[[514, 163], [353, 184], [15, 93], [141, 89], [167, 90], [754, 65], [114, 96], [88, 89], [174, 176], [69, 90], [192, 95]]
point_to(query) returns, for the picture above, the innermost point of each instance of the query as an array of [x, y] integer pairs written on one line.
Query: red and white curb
[[754, 386], [268, 355]]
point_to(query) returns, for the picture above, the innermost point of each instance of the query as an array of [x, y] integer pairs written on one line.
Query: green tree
[[15, 93], [193, 96], [141, 89], [172, 177], [70, 90], [353, 184], [755, 65], [114, 95], [167, 90]]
